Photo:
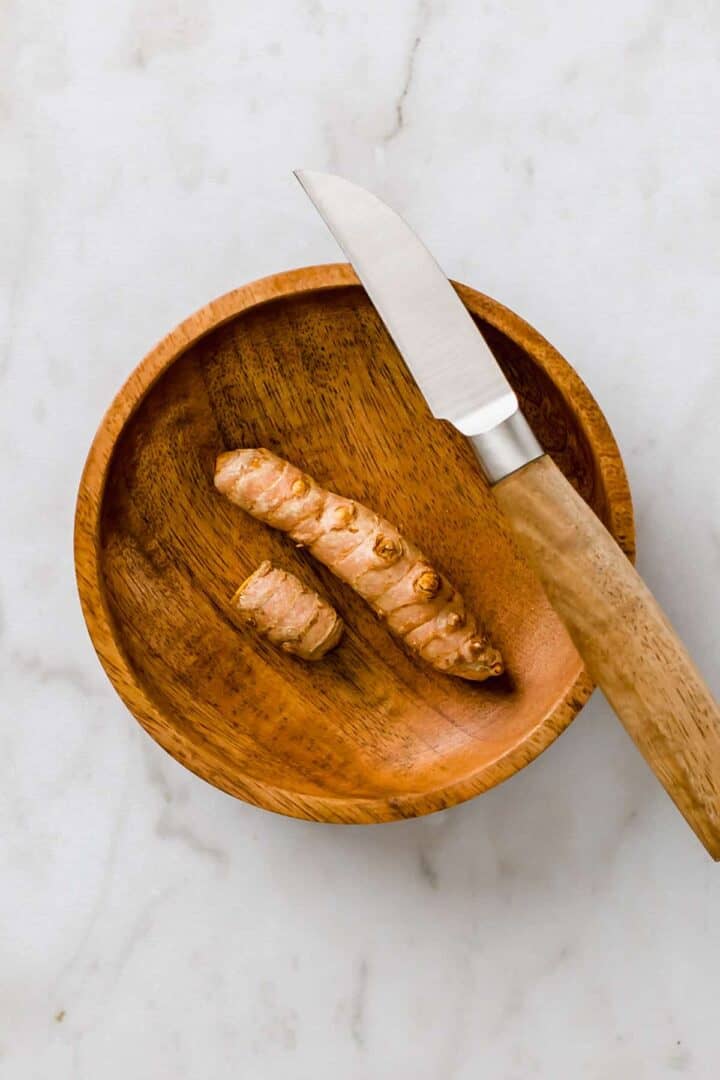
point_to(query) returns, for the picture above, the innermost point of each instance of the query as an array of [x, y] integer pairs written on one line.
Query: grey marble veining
[[561, 158]]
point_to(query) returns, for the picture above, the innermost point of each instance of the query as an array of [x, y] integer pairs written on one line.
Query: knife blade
[[447, 355], [428, 322], [627, 643]]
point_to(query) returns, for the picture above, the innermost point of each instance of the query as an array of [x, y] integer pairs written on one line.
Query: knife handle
[[627, 643]]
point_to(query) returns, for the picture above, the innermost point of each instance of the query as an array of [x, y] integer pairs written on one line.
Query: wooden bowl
[[300, 363]]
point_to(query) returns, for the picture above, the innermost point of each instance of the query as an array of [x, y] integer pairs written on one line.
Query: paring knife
[[628, 646]]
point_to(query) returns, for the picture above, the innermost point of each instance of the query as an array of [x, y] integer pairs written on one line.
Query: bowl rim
[[99, 620]]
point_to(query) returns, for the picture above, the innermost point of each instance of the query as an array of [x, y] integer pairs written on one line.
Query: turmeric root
[[288, 614], [420, 606]]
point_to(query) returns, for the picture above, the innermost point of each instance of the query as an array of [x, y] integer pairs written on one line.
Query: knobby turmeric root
[[420, 606], [287, 613]]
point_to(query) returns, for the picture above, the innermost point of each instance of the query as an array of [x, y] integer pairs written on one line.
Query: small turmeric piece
[[277, 604], [419, 605]]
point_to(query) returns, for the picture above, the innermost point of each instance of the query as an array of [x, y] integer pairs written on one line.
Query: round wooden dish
[[300, 363]]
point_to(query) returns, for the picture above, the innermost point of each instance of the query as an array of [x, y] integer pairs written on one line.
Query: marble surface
[[560, 157]]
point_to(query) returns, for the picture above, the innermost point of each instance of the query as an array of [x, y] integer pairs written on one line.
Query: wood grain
[[629, 647], [301, 363]]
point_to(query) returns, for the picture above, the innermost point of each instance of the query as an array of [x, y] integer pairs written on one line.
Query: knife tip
[[309, 176]]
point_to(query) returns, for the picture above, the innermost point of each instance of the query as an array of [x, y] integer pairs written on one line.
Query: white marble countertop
[[560, 157]]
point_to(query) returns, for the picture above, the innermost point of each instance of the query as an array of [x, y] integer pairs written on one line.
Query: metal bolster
[[507, 448]]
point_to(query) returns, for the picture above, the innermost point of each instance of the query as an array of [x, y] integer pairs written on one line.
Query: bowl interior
[[368, 733]]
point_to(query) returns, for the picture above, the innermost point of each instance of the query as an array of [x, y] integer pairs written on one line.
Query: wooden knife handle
[[629, 648]]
